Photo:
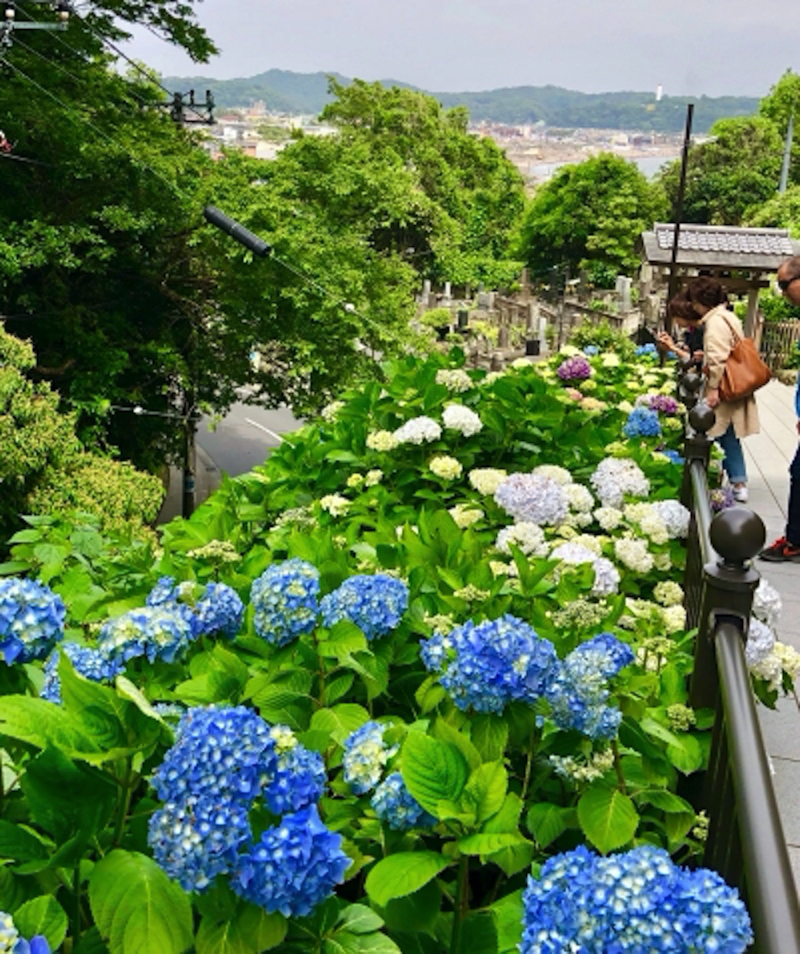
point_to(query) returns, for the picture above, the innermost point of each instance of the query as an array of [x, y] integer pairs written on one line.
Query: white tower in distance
[[659, 92]]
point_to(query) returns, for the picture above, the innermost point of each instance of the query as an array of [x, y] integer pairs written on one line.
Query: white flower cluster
[[609, 518], [672, 618], [335, 504], [381, 441], [493, 376], [373, 477], [486, 480], [579, 498], [456, 417], [499, 568], [419, 430], [675, 517], [767, 604], [553, 472], [594, 767], [533, 499], [782, 659], [529, 537], [634, 555], [760, 642], [606, 576], [464, 515], [647, 520], [668, 593], [454, 379], [444, 467], [615, 477], [329, 412]]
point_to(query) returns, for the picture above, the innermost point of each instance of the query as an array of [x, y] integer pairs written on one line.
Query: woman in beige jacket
[[735, 419]]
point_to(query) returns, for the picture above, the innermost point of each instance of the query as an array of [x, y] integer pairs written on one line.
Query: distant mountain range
[[307, 93]]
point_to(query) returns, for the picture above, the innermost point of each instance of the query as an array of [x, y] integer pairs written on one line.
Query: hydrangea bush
[[437, 639]]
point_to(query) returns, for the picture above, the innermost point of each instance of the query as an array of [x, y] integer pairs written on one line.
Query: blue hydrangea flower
[[166, 591], [226, 753], [673, 455], [299, 775], [636, 901], [12, 943], [646, 349], [217, 608], [642, 422], [197, 838], [31, 620], [94, 664], [284, 598], [488, 665], [365, 756], [591, 350], [396, 807], [158, 632], [293, 867], [374, 603], [578, 690]]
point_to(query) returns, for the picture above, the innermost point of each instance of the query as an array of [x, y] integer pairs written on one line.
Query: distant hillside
[[285, 91]]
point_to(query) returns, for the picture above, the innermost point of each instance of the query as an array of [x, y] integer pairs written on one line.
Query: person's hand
[[712, 397], [665, 342], [698, 355]]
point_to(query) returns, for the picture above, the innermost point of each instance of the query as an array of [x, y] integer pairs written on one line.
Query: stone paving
[[768, 455]]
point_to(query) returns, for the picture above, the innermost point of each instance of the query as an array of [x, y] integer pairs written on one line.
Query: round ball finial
[[691, 381], [702, 417], [737, 534]]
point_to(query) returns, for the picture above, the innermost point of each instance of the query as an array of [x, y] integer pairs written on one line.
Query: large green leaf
[[488, 843], [547, 822], [249, 930], [485, 790], [136, 907], [43, 724], [608, 817], [402, 874], [433, 771], [340, 721], [18, 844], [490, 736]]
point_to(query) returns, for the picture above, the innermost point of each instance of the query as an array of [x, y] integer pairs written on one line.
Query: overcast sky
[[692, 47]]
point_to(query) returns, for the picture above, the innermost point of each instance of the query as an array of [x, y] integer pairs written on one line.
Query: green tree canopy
[[729, 175], [588, 216]]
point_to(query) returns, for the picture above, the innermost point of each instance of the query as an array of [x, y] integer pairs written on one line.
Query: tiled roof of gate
[[720, 246]]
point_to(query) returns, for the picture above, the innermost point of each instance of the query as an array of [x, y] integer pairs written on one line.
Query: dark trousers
[[793, 517]]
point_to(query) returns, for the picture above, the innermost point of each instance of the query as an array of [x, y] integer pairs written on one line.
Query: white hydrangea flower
[[444, 467], [647, 519], [674, 618], [373, 477], [529, 537], [662, 562], [614, 477], [611, 360], [668, 593], [589, 541], [355, 480], [335, 504], [486, 480], [329, 412], [381, 441], [419, 430], [606, 576], [454, 379], [609, 518], [634, 555], [531, 498], [569, 351], [553, 472], [464, 515], [760, 642], [675, 516], [493, 376], [579, 498], [594, 766], [767, 604], [456, 417], [520, 363], [499, 568]]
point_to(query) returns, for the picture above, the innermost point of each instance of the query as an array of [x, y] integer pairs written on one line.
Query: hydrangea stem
[[618, 767], [461, 905]]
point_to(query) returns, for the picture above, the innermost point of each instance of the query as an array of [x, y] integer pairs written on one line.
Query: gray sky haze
[[692, 47]]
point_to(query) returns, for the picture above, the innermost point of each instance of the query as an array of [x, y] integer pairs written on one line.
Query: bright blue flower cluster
[[284, 598], [31, 620], [92, 663], [578, 691], [673, 455], [488, 665], [158, 632], [637, 901], [591, 350], [365, 756], [374, 603], [224, 761], [12, 943], [293, 867], [299, 774], [217, 609], [642, 422], [646, 349], [396, 807]]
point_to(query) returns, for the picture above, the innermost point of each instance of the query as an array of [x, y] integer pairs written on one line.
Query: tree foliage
[[588, 216], [729, 175]]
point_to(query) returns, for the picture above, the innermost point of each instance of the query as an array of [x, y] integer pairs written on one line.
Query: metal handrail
[[770, 887], [702, 509]]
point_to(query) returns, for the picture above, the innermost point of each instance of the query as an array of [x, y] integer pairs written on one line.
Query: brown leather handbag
[[744, 372]]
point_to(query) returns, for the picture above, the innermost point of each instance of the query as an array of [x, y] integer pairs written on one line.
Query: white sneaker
[[740, 493]]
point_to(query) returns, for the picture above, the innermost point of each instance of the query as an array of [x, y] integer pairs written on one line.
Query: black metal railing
[[746, 843]]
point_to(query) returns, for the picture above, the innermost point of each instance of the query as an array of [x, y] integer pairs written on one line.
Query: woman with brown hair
[[734, 419]]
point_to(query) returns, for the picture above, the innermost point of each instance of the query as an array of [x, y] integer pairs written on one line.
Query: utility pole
[[787, 153], [184, 110], [10, 24]]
